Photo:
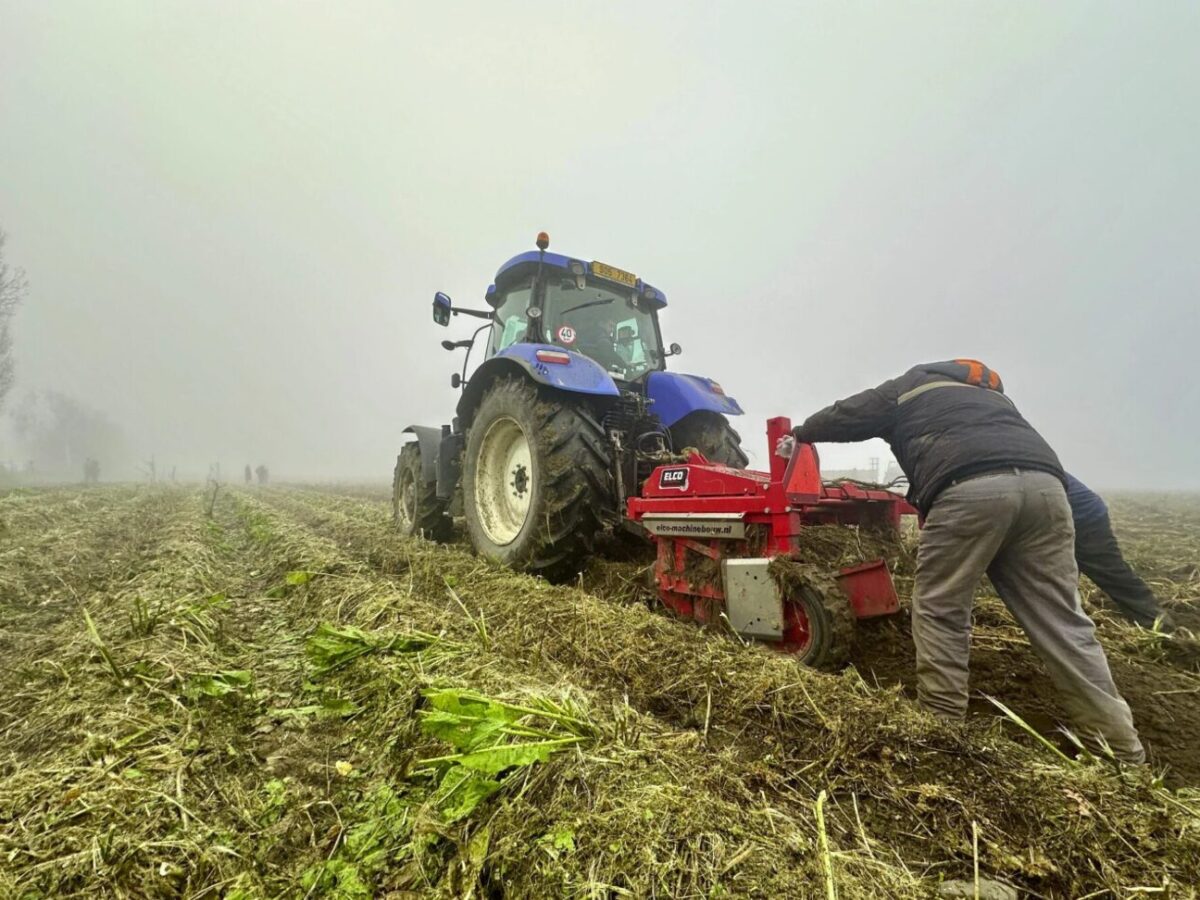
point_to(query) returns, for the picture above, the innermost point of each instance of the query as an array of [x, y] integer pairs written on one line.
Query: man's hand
[[785, 446]]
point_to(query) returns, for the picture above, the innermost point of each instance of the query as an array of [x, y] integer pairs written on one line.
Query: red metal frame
[[785, 499]]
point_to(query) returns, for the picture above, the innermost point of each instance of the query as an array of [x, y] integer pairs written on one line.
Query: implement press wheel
[[818, 627]]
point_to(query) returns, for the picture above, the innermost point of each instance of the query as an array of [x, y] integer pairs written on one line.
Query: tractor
[[569, 413]]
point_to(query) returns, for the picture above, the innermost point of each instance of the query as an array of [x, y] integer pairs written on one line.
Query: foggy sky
[[234, 215]]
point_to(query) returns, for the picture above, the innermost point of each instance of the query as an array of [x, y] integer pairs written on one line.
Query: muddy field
[[276, 697]]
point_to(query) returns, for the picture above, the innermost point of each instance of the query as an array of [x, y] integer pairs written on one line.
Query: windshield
[[605, 324]]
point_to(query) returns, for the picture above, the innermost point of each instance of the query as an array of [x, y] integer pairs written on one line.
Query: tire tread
[[577, 493], [713, 436], [430, 519]]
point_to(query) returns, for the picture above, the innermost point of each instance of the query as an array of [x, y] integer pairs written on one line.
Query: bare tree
[[13, 286], [59, 432]]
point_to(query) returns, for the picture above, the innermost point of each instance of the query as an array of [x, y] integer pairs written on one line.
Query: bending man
[[991, 491]]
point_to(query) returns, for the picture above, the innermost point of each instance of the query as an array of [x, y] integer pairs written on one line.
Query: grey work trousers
[[1015, 526]]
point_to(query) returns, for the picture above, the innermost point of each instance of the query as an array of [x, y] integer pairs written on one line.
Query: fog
[[233, 216]]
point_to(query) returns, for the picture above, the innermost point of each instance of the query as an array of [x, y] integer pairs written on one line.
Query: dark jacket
[[1086, 505], [944, 421]]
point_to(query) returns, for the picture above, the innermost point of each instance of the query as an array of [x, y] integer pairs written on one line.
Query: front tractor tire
[[712, 435], [537, 487], [416, 509]]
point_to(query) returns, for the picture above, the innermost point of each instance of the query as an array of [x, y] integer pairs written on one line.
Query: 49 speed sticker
[[673, 479]]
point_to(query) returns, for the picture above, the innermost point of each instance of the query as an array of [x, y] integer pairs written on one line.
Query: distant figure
[[261, 472], [91, 471], [247, 473]]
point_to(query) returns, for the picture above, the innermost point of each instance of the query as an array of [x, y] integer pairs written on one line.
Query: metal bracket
[[752, 600]]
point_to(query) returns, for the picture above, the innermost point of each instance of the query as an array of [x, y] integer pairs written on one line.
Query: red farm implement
[[718, 529]]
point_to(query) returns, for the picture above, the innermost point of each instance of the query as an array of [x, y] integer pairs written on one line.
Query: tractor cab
[[598, 311]]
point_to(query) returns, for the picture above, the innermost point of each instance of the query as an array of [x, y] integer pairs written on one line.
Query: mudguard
[[675, 395], [579, 375], [429, 439]]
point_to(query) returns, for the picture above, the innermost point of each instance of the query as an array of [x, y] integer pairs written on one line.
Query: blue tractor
[[569, 412]]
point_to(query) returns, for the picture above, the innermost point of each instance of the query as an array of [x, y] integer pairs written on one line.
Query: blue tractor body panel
[[674, 395], [579, 375], [531, 256]]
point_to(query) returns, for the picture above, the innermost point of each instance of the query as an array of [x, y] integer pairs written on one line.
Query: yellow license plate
[[612, 273]]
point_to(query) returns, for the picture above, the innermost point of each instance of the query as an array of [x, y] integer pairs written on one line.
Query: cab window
[[511, 324]]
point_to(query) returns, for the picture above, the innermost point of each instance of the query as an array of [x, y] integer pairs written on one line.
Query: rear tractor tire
[[712, 435], [537, 483], [416, 509]]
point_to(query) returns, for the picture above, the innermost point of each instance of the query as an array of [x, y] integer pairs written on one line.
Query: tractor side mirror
[[673, 350], [441, 308]]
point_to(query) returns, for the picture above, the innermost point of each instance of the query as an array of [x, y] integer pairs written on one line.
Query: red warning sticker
[[566, 335]]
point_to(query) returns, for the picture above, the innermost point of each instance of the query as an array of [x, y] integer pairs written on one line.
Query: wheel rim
[[503, 481], [797, 629], [406, 497]]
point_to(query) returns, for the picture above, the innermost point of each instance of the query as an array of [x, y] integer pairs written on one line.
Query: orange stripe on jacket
[[974, 370]]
